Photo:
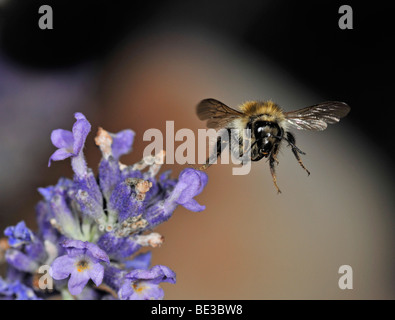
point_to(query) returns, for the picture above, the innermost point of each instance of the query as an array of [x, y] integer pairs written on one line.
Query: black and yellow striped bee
[[269, 126]]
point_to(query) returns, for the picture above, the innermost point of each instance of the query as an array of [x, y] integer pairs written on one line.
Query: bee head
[[266, 146], [266, 134]]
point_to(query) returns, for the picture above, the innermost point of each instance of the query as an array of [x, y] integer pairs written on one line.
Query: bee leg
[[291, 141], [205, 166], [210, 160], [275, 152], [221, 144], [296, 150], [273, 172]]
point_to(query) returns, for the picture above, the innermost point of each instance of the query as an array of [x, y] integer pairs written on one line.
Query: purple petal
[[143, 290], [62, 139], [203, 179], [167, 275], [59, 154], [49, 192], [78, 281], [79, 116], [150, 291], [74, 248], [193, 205], [46, 192], [156, 275], [126, 290], [78, 246], [62, 267], [20, 261], [22, 230], [96, 272], [191, 183], [81, 129], [75, 253], [97, 253], [122, 143], [18, 234]]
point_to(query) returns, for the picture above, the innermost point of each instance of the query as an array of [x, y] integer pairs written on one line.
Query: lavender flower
[[92, 228], [18, 235], [144, 284], [71, 143], [82, 262], [16, 291]]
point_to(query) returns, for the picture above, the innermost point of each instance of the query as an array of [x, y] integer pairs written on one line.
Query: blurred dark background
[[73, 66], [303, 36]]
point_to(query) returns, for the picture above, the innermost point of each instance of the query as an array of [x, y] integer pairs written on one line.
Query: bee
[[269, 126]]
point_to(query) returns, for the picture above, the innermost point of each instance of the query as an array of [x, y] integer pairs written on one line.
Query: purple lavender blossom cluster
[[90, 229]]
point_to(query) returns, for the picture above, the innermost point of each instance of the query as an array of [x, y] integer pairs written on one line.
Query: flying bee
[[268, 125]]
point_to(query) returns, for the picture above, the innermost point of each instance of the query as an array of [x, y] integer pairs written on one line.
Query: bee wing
[[217, 114], [317, 117]]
